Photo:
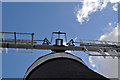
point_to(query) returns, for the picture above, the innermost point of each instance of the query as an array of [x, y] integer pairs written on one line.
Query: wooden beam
[[52, 47]]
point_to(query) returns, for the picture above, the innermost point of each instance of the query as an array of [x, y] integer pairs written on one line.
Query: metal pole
[[52, 38], [32, 38], [15, 37], [58, 36], [65, 38]]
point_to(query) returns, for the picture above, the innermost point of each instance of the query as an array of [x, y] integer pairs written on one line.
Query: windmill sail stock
[[97, 47]]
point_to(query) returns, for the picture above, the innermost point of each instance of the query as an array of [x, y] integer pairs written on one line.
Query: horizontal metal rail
[[17, 40], [94, 41], [99, 45], [101, 55], [16, 33]]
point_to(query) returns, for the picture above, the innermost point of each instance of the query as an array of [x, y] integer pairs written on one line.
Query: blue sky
[[42, 19]]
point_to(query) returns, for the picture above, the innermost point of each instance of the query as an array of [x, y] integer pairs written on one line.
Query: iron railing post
[[15, 37]]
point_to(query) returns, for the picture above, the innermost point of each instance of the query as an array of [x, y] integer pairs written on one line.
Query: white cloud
[[108, 66], [91, 6], [115, 7], [111, 36]]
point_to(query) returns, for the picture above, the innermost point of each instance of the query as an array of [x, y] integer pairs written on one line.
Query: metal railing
[[15, 40]]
